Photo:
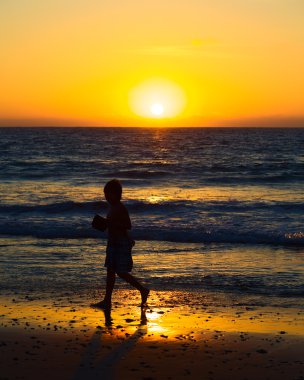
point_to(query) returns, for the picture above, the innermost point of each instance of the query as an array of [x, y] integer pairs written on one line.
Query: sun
[[157, 109], [157, 98]]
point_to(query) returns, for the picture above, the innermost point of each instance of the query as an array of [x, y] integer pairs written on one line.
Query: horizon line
[[275, 121]]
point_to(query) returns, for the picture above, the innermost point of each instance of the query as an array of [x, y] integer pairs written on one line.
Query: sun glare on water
[[157, 98]]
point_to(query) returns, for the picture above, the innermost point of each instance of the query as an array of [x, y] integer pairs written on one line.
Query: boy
[[118, 258]]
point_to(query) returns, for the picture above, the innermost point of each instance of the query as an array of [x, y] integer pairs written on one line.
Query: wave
[[59, 208], [161, 206], [283, 178], [72, 230], [147, 177], [229, 235], [231, 221], [137, 174]]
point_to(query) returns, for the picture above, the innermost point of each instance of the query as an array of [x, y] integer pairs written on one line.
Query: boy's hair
[[113, 186]]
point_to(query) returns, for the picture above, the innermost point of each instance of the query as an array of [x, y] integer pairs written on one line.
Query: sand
[[49, 337]]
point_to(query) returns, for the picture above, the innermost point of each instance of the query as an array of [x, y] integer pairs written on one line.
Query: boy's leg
[[110, 282], [109, 285], [132, 281]]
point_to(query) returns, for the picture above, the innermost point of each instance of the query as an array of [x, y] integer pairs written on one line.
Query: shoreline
[[67, 339]]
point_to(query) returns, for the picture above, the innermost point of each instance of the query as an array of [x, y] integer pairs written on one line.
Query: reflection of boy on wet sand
[[119, 257]]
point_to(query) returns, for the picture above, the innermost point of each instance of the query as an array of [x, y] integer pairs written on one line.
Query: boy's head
[[113, 191]]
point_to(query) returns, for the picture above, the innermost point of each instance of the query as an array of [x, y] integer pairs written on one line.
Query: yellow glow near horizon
[[157, 98]]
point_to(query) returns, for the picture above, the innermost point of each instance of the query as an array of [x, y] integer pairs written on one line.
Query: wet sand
[[62, 337]]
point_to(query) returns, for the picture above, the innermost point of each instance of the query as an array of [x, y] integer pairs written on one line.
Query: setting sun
[[157, 98], [157, 109]]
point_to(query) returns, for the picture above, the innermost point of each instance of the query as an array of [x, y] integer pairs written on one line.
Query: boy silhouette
[[119, 246]]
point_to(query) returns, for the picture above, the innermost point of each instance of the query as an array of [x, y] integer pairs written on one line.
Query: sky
[[152, 63]]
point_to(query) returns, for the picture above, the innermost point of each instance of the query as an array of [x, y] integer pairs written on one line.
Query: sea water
[[213, 209]]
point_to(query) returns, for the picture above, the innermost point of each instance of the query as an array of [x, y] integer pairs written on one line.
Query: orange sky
[[77, 62]]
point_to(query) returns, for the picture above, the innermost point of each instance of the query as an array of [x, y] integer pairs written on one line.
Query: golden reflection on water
[[209, 193], [156, 199], [65, 192]]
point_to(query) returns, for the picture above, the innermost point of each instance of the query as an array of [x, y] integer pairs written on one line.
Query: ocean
[[214, 210]]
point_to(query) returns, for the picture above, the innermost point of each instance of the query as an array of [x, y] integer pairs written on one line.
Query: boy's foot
[[144, 296], [102, 305]]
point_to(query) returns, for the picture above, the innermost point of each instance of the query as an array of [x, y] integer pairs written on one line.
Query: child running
[[118, 254]]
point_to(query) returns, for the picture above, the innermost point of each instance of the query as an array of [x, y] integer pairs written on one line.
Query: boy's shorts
[[119, 256]]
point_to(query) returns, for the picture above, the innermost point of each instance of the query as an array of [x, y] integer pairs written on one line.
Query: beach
[[62, 337]]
